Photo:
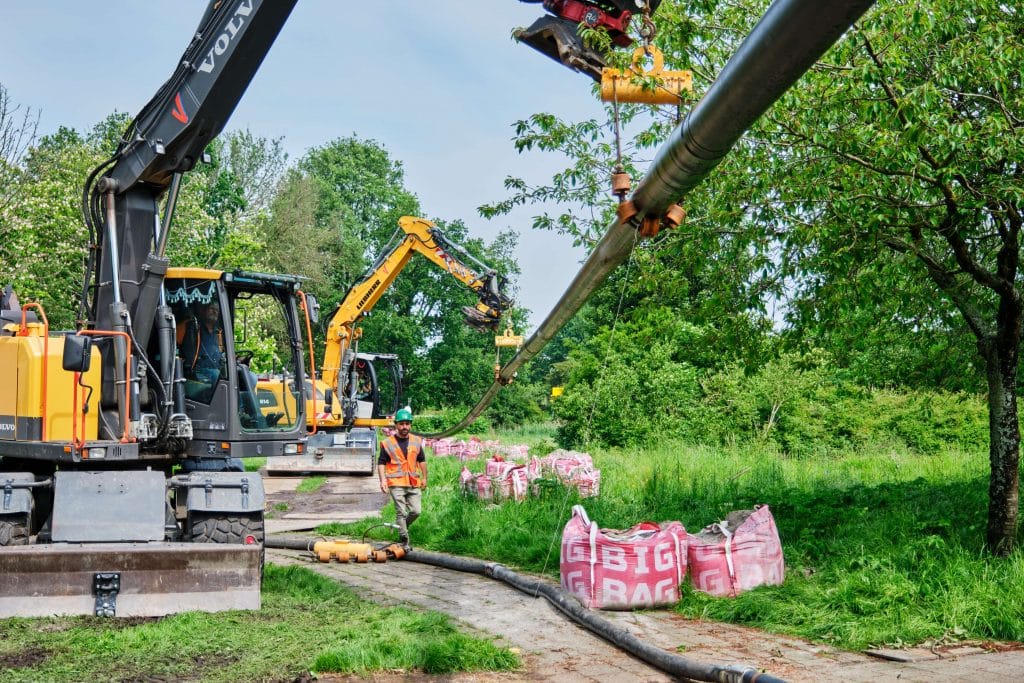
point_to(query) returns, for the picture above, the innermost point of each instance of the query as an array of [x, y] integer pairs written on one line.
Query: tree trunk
[[1004, 446]]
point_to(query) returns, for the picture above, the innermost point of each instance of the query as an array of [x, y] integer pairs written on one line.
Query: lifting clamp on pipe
[[654, 86], [651, 224], [508, 340]]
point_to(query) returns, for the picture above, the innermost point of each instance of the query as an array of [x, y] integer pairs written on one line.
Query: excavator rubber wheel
[[343, 557], [380, 556], [396, 550], [362, 557], [324, 555]]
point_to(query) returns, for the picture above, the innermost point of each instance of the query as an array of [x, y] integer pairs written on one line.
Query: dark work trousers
[[407, 508]]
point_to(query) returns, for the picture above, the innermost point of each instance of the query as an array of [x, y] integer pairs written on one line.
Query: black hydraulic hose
[[783, 45], [662, 660]]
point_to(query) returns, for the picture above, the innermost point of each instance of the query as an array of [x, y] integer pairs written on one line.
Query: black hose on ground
[[624, 640], [662, 660], [291, 543]]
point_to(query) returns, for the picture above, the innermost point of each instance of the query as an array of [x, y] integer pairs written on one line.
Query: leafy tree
[[300, 244], [46, 243], [900, 156], [227, 229], [361, 189], [257, 164]]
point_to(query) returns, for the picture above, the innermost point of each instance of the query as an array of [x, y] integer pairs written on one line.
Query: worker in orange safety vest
[[402, 470]]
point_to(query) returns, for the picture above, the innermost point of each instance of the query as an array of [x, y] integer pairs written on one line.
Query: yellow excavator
[[362, 391]]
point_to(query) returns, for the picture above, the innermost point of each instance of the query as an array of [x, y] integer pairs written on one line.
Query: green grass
[[881, 547], [311, 484], [308, 623], [254, 464]]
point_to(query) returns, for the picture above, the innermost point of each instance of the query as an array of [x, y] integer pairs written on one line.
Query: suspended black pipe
[[787, 40]]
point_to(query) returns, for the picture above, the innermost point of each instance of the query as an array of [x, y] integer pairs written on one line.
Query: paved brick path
[[556, 649]]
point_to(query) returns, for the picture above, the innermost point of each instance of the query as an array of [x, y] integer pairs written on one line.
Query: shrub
[[629, 403], [796, 403], [434, 421], [515, 405]]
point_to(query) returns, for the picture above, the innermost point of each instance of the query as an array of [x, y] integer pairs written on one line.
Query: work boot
[[403, 541]]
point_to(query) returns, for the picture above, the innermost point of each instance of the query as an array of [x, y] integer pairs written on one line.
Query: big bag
[[737, 554], [621, 570]]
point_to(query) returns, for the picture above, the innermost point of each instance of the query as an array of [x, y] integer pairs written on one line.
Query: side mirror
[[313, 308], [77, 353]]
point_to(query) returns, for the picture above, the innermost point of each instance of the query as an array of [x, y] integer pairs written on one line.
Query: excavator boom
[[422, 237]]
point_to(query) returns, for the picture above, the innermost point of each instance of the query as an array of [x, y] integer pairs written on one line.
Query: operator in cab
[[402, 470], [202, 349]]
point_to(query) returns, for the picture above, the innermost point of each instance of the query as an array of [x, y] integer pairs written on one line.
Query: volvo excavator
[[121, 492], [362, 391]]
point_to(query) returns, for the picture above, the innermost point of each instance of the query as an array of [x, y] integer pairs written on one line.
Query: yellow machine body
[[23, 360], [654, 86], [276, 395]]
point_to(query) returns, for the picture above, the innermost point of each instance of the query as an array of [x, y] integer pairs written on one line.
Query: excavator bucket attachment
[[559, 39], [480, 320], [128, 579]]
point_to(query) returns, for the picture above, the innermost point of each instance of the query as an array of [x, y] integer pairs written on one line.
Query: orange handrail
[[23, 332], [312, 362], [125, 438]]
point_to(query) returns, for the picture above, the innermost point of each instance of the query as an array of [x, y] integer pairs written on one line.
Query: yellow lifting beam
[[655, 86]]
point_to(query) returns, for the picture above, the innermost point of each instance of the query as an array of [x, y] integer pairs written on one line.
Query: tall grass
[[882, 546], [308, 623]]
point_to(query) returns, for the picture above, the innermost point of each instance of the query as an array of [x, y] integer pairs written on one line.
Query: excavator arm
[[419, 236], [124, 291]]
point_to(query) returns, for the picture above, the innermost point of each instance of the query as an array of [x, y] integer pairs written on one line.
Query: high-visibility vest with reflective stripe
[[401, 469]]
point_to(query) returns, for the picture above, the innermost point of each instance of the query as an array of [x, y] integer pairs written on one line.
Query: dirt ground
[[343, 498]]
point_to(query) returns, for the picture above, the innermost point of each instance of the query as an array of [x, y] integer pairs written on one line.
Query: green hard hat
[[403, 415]]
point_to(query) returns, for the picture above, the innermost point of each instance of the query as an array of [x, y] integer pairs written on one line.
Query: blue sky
[[438, 84]]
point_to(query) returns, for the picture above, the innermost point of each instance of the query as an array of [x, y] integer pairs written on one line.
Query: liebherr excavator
[[120, 491], [368, 385]]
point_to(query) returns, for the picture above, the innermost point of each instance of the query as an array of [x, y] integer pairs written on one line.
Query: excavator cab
[[379, 385], [230, 328], [557, 34]]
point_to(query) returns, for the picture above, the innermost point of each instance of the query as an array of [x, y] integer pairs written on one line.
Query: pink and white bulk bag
[[737, 554], [637, 568]]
